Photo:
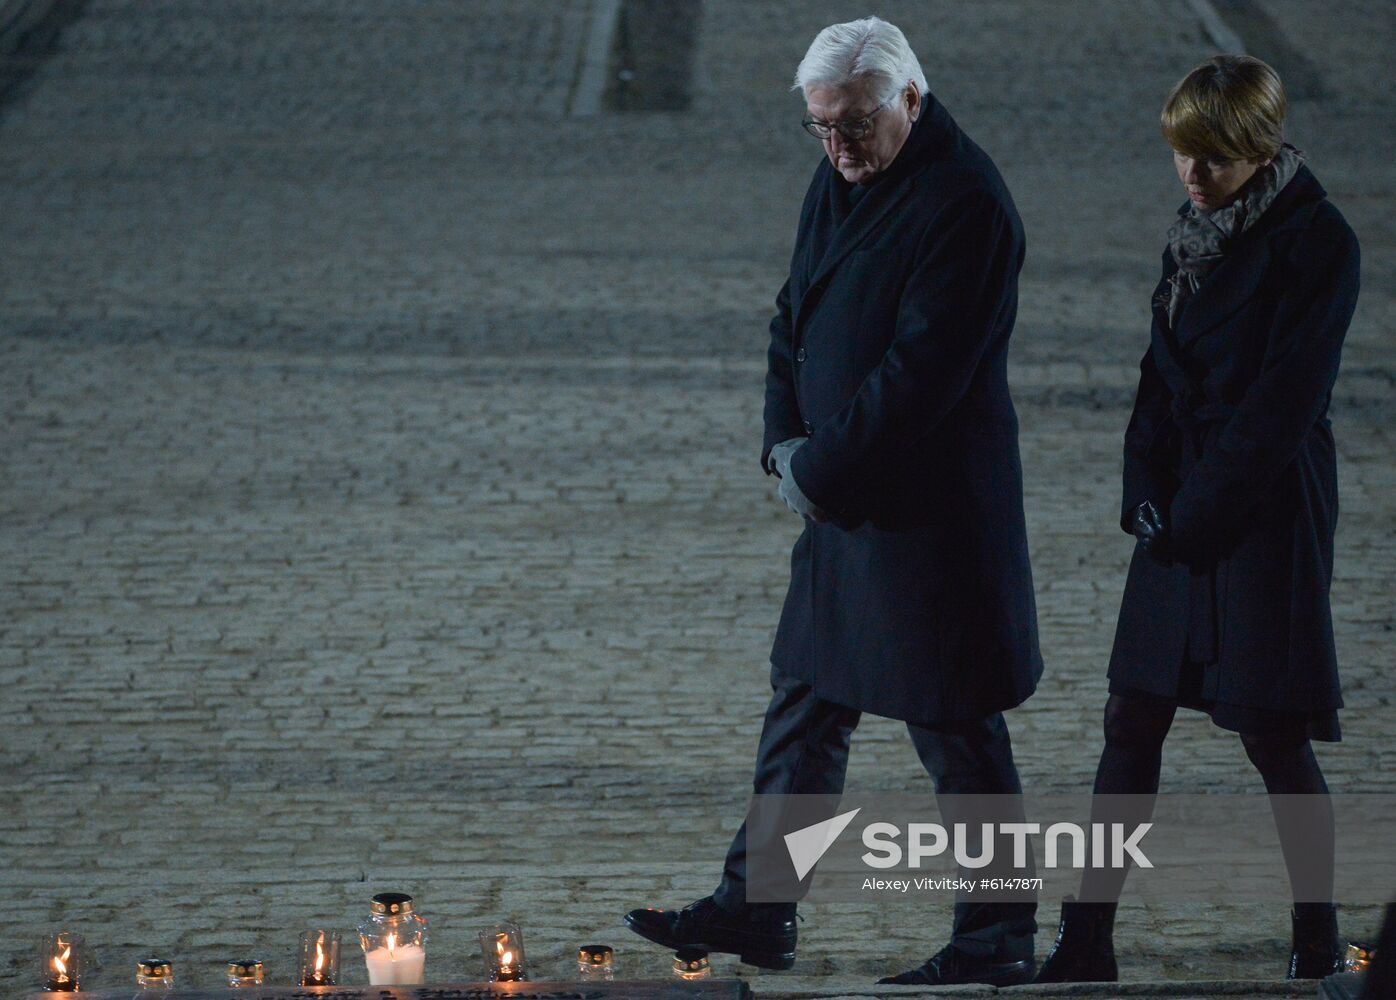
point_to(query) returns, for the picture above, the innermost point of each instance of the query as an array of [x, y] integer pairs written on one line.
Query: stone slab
[[655, 989], [733, 989], [1347, 986]]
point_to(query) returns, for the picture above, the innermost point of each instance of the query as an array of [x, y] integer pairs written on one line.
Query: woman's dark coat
[[889, 350], [1230, 436]]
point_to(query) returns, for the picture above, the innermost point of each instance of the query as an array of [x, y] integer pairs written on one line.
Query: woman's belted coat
[[889, 351], [1230, 436]]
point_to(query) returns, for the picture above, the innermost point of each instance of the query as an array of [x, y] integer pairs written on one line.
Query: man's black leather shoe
[[950, 965], [765, 940]]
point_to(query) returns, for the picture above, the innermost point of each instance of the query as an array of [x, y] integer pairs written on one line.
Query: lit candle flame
[[60, 966], [506, 955], [392, 940], [319, 953]]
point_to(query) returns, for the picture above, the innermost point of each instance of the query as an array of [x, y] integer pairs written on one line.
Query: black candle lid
[[595, 954], [690, 960], [154, 967], [391, 903]]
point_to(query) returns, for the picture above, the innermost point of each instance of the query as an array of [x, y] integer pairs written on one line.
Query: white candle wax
[[401, 966]]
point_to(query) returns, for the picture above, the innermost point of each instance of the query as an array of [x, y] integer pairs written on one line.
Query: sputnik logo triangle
[[807, 845]]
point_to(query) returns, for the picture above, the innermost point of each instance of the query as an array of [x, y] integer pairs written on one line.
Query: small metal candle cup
[[503, 951], [319, 961], [63, 961], [596, 961], [244, 974], [689, 965], [154, 975]]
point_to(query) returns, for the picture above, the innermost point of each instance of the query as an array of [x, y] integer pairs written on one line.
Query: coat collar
[[932, 134], [1239, 276]]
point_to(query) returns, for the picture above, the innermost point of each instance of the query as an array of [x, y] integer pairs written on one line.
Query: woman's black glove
[[1148, 527]]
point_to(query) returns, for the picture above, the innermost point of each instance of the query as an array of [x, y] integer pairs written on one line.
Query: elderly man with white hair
[[889, 425]]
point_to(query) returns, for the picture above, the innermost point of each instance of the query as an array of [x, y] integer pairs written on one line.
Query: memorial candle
[[246, 973], [63, 961], [319, 961], [394, 940], [690, 964], [501, 946], [596, 961], [154, 975], [59, 979], [395, 964], [509, 971]]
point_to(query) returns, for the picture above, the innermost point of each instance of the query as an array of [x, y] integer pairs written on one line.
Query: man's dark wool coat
[[889, 350], [1230, 436]]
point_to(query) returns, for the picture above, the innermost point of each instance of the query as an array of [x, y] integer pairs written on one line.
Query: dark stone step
[[657, 989]]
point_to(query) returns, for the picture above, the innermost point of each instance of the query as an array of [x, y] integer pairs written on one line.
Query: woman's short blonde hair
[[1230, 107]]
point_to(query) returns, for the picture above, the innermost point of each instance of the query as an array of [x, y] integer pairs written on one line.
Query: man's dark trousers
[[804, 751]]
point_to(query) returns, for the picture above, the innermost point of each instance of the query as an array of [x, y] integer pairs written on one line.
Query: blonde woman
[[1230, 489]]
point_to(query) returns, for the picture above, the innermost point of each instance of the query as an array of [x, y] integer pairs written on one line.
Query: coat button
[[809, 427], [800, 355]]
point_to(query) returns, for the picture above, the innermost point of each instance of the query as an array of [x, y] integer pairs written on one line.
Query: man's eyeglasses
[[851, 129]]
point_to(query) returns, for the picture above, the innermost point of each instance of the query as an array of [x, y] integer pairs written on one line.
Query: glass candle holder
[[596, 961], [394, 940], [1358, 957], [244, 974], [502, 948], [63, 961], [690, 964], [319, 958], [154, 975]]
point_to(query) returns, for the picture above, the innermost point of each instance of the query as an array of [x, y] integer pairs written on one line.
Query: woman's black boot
[[1085, 948], [1317, 949]]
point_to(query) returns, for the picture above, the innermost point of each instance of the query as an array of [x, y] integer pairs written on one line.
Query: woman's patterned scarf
[[1199, 240]]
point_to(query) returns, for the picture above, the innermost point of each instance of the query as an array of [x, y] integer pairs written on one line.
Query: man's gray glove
[[778, 461], [796, 500], [790, 491]]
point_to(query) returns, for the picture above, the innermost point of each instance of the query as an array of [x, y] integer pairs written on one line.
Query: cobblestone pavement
[[378, 477]]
